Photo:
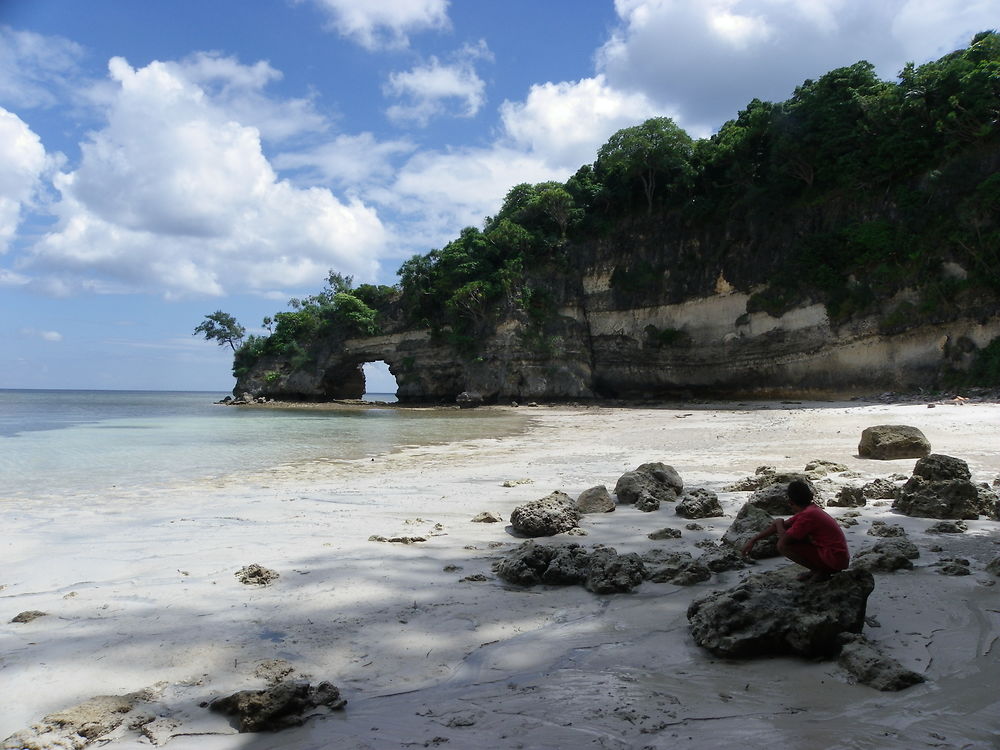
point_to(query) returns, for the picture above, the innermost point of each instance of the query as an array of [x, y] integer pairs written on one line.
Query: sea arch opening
[[380, 384]]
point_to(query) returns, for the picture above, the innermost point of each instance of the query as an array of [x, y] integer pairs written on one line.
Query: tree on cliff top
[[222, 328]]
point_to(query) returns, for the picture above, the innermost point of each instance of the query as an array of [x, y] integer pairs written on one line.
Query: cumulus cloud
[[34, 69], [438, 88], [376, 24], [706, 60], [174, 194], [24, 161], [349, 161], [53, 336]]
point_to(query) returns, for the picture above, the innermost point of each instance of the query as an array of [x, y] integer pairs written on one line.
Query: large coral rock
[[773, 496], [602, 571], [888, 441], [595, 500], [611, 573], [699, 503], [287, 704], [887, 555], [750, 521], [550, 515], [774, 614], [678, 568], [941, 488], [650, 482]]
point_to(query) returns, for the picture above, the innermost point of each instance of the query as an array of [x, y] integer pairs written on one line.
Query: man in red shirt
[[811, 537]]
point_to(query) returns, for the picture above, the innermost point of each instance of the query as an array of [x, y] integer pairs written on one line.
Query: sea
[[68, 443]]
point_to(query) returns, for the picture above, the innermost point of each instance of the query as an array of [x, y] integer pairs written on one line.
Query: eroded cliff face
[[680, 325]]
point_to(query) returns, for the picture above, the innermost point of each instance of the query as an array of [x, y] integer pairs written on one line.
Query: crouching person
[[811, 537]]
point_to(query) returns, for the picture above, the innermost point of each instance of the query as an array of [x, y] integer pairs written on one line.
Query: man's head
[[800, 494]]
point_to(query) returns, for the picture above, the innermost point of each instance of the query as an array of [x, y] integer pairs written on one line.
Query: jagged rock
[[879, 489], [550, 515], [694, 527], [953, 566], [761, 478], [487, 516], [774, 614], [256, 575], [666, 533], [287, 704], [948, 527], [890, 441], [989, 501], [602, 570], [397, 539], [469, 400], [720, 559], [28, 616], [871, 667], [77, 727], [883, 529], [699, 503], [886, 556], [611, 573], [993, 566], [849, 497], [941, 488], [773, 497], [748, 523], [660, 482], [647, 502], [818, 468], [595, 500], [678, 568]]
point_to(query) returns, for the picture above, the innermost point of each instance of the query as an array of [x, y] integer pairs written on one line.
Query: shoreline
[[145, 594]]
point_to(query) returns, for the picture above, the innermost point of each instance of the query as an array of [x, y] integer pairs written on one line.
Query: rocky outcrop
[[699, 503], [550, 515], [649, 485], [774, 614], [893, 441], [750, 521], [887, 556], [287, 704], [941, 487], [602, 570]]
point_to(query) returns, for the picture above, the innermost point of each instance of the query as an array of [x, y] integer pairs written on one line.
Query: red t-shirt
[[825, 534]]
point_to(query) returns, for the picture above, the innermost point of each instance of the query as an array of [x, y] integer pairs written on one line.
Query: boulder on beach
[[773, 613], [886, 556], [879, 489], [941, 487], [849, 496], [869, 666], [890, 441], [649, 484], [750, 521], [699, 503], [678, 568], [773, 495], [287, 704], [602, 570], [595, 500], [547, 516]]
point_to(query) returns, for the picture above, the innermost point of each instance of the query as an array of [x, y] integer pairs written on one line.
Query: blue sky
[[160, 160]]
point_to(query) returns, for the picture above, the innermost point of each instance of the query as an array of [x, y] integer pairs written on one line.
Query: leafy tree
[[222, 328], [656, 152]]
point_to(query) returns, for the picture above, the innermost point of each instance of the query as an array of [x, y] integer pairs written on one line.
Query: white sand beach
[[430, 649]]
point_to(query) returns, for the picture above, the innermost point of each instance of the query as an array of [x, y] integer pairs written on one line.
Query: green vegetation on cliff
[[864, 187]]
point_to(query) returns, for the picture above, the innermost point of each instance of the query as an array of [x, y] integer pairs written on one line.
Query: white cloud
[[565, 123], [706, 60], [351, 161], [173, 194], [428, 89], [53, 336], [23, 159], [377, 24], [34, 68]]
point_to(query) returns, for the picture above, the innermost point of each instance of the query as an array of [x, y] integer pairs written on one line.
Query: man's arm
[[778, 527]]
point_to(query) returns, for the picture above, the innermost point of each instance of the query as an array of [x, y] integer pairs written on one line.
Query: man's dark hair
[[800, 493]]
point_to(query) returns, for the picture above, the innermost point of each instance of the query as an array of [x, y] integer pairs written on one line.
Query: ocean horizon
[[67, 443]]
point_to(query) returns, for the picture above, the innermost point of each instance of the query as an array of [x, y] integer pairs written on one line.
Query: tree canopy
[[222, 328]]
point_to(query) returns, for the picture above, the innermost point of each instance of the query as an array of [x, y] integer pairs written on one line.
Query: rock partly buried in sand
[[773, 496], [80, 725], [774, 614], [869, 666], [699, 503], [941, 488], [819, 468], [487, 516], [28, 615], [890, 441], [886, 556], [256, 575], [397, 539], [678, 568], [595, 500], [849, 497], [665, 533], [748, 523], [548, 516], [879, 489], [602, 570], [883, 529], [948, 527], [763, 476], [287, 704], [993, 566], [648, 485]]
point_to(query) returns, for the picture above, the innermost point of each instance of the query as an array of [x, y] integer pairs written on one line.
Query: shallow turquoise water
[[55, 443]]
